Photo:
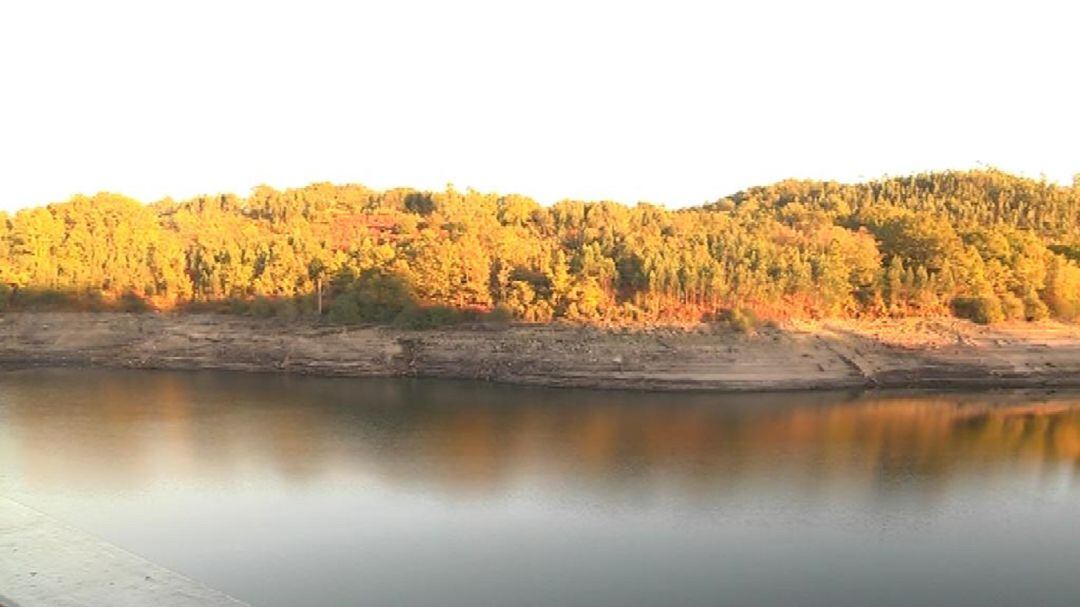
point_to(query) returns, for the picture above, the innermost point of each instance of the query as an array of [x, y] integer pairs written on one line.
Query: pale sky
[[668, 102]]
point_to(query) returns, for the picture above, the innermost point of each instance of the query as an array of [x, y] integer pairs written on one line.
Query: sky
[[669, 102]]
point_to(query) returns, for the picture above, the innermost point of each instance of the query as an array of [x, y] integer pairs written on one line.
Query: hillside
[[983, 245]]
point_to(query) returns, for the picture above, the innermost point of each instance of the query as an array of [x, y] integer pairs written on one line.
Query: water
[[297, 491]]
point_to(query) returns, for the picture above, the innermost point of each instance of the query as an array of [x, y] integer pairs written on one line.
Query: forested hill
[[983, 244], [968, 199]]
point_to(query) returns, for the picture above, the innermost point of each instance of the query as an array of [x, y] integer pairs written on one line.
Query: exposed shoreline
[[909, 353]]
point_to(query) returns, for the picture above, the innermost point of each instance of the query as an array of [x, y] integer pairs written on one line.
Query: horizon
[[546, 203], [674, 105]]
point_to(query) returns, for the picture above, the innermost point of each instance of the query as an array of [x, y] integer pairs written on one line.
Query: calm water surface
[[296, 491]]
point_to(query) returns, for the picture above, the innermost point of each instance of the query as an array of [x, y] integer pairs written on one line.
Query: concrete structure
[[44, 563]]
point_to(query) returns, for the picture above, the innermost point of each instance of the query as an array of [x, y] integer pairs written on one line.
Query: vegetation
[[984, 245]]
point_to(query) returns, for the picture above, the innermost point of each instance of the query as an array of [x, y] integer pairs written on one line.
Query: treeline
[[982, 244]]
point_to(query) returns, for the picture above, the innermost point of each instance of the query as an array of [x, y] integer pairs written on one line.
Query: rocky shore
[[908, 353]]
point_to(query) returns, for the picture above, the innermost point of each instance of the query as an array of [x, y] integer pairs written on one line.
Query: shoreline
[[937, 353]]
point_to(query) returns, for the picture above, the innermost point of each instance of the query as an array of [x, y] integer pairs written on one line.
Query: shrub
[[432, 317], [238, 306], [374, 297], [1035, 308], [272, 307], [130, 302], [500, 314], [983, 309], [742, 320], [344, 310], [1062, 291], [287, 309], [1012, 307]]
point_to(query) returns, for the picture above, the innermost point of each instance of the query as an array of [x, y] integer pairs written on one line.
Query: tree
[[980, 243]]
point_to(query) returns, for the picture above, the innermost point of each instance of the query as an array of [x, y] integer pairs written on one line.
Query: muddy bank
[[938, 353]]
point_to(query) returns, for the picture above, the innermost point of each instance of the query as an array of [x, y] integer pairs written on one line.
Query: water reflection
[[124, 430], [293, 491]]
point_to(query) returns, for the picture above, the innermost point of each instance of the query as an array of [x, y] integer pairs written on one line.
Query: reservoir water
[[286, 491]]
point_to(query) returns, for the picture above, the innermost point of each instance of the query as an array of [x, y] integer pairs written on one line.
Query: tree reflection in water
[[122, 429]]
